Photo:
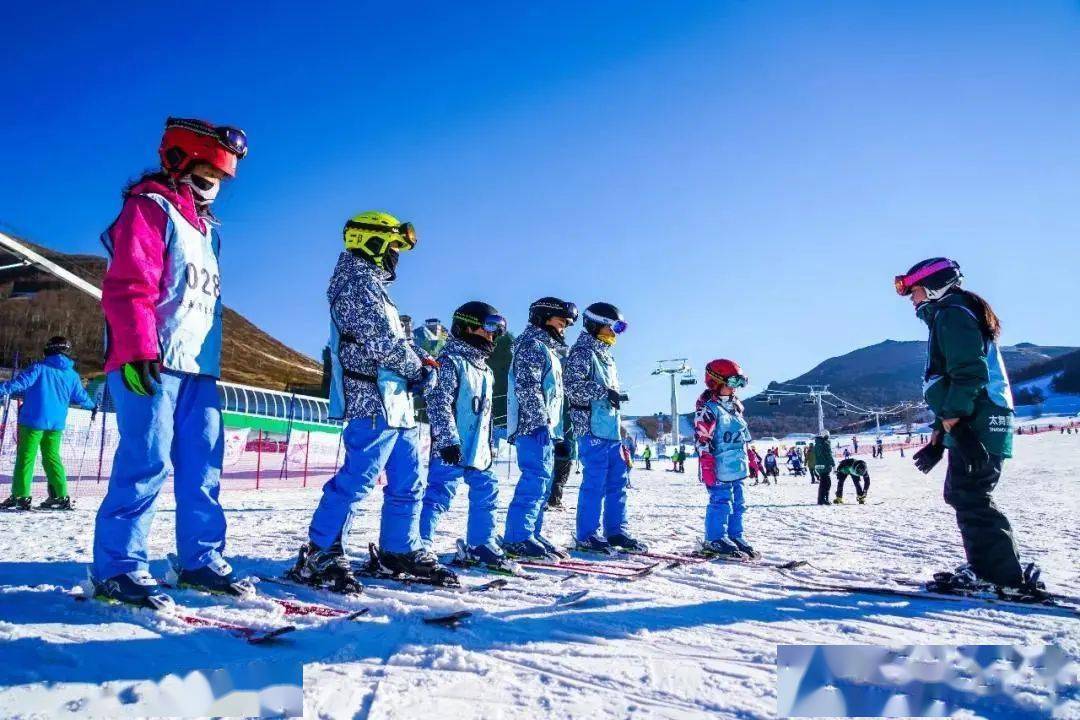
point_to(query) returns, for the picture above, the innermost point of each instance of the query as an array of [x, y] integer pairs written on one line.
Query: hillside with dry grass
[[34, 305]]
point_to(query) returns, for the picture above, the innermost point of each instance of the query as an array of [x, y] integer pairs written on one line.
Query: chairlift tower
[[816, 393], [672, 368]]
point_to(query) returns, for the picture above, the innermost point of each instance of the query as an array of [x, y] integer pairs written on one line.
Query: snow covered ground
[[695, 641]]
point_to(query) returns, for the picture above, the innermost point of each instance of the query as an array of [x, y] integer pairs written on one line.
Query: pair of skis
[[173, 612], [922, 591]]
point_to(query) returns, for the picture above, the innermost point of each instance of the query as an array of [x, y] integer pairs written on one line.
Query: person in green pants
[[48, 387]]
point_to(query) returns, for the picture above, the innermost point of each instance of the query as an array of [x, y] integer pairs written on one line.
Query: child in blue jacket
[[722, 437]]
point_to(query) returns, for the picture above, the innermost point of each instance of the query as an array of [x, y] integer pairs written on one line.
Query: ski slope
[[690, 642]]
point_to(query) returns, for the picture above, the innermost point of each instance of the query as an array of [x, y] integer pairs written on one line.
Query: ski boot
[[1031, 588], [17, 503], [421, 564], [746, 548], [327, 569], [621, 541], [133, 588], [553, 550], [486, 556], [594, 544], [722, 548], [838, 500], [530, 549], [57, 503], [961, 581], [216, 577]]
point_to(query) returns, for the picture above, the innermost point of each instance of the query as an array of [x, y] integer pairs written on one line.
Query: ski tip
[[451, 620], [267, 635]]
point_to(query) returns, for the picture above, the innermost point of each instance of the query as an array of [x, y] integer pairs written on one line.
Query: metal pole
[[307, 453], [104, 424], [258, 459], [820, 414], [674, 413]]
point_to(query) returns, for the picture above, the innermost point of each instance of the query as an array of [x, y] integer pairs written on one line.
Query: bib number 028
[[201, 279]]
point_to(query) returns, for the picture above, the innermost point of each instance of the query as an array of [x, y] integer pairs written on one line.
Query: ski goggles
[[732, 381], [617, 326], [494, 324], [232, 139], [905, 283], [397, 237]]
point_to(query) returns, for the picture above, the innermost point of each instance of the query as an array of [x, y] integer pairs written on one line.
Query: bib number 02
[[201, 279]]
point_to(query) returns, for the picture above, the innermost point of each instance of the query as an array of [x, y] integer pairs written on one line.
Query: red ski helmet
[[724, 372], [188, 141]]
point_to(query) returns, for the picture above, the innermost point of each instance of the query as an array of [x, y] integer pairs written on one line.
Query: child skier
[[772, 468], [859, 474], [722, 437], [161, 296], [592, 388], [646, 455], [375, 372], [459, 406], [754, 464], [534, 411], [48, 388]]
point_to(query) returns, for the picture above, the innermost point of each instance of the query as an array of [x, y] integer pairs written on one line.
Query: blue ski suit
[[721, 435], [48, 388], [178, 429], [590, 373], [373, 371], [459, 407], [534, 405]]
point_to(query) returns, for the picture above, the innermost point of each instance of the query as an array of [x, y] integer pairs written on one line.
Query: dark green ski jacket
[[965, 375]]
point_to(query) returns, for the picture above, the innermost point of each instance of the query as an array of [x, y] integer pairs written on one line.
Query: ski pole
[[7, 406], [85, 449]]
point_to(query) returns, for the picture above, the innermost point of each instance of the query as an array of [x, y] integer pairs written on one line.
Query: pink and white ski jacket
[[135, 283]]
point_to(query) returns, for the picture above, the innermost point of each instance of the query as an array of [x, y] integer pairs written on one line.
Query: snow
[[695, 641]]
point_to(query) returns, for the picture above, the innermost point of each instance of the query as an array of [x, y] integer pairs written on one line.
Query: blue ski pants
[[604, 477], [176, 430], [724, 514], [442, 483], [371, 445], [536, 460]]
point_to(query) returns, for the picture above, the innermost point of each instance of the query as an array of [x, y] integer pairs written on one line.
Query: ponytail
[[988, 319], [147, 176]]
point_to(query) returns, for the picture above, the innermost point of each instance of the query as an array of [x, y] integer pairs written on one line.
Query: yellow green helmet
[[375, 233]]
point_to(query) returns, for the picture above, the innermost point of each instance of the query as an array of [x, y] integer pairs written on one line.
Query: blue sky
[[742, 178]]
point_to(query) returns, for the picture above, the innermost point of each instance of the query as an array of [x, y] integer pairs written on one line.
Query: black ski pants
[[862, 484], [987, 535], [824, 479], [558, 482]]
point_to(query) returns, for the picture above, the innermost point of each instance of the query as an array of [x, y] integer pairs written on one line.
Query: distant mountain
[[35, 305], [876, 376]]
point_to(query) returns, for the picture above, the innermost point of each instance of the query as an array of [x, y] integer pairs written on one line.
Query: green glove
[[140, 376]]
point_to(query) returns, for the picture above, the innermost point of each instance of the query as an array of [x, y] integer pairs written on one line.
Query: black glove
[[970, 447], [929, 456], [616, 398], [425, 381], [451, 454], [141, 376], [93, 414], [562, 449]]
